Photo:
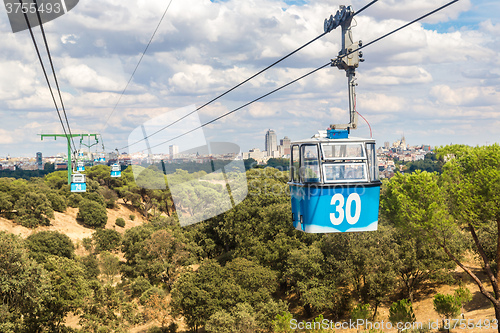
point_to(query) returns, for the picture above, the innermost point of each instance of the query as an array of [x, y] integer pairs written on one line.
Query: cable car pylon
[[334, 182], [79, 178]]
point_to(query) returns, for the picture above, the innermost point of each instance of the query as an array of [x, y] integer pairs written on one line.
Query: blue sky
[[437, 81]]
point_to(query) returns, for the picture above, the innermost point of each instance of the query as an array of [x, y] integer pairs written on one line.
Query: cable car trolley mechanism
[[334, 183]]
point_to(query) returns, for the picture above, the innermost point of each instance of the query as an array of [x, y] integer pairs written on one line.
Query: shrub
[[92, 214], [131, 217], [50, 242], [148, 293], [34, 209], [74, 200], [139, 286], [109, 196], [96, 197], [120, 222], [57, 202], [401, 311], [91, 265], [106, 239], [88, 244]]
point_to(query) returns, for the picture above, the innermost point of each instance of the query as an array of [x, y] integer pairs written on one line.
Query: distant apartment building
[[285, 143], [271, 142], [39, 161], [256, 154], [173, 150]]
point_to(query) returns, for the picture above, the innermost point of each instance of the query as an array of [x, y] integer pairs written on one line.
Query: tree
[[68, 288], [120, 222], [109, 196], [419, 260], [106, 240], [464, 198], [5, 202], [158, 308], [212, 288], [401, 312], [23, 285], [447, 306], [109, 265], [162, 257], [57, 179], [92, 214], [34, 209], [45, 243], [57, 202], [250, 163], [472, 182], [106, 310]]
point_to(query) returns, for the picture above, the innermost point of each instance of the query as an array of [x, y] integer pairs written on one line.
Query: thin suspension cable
[[137, 66], [44, 71], [55, 76], [366, 6], [241, 83], [378, 39], [402, 27], [241, 107]]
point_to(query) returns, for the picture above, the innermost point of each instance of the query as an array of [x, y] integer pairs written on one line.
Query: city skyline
[[414, 82], [175, 148]]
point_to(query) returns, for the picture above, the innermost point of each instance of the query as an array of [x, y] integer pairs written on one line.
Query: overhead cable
[[255, 100], [402, 27], [241, 83], [138, 63], [45, 73], [241, 107], [54, 74]]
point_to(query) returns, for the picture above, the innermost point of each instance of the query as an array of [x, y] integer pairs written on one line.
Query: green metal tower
[[68, 138]]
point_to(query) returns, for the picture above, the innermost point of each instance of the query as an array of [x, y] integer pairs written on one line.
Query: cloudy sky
[[437, 81]]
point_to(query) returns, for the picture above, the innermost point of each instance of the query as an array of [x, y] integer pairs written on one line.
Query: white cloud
[[465, 95], [379, 103], [6, 137], [395, 75]]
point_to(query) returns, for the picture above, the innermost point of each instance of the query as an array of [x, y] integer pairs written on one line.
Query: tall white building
[[173, 150], [271, 142]]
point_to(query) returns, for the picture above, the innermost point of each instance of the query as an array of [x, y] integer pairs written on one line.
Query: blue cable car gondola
[[80, 166], [78, 182], [334, 182], [116, 170]]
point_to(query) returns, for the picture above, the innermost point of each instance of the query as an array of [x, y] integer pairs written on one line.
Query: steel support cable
[[370, 43], [400, 28], [241, 83], [138, 63], [366, 6], [225, 93], [44, 72], [55, 76], [241, 107]]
